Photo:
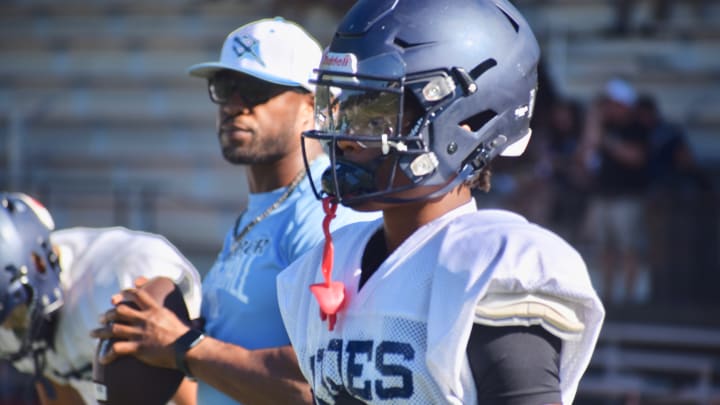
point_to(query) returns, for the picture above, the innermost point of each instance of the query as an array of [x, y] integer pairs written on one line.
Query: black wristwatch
[[181, 346]]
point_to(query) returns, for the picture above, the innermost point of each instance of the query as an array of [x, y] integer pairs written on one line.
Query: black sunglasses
[[224, 86]]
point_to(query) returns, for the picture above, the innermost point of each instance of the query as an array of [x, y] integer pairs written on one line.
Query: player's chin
[[363, 206], [405, 199]]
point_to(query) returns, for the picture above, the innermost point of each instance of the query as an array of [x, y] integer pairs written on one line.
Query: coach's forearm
[[264, 376]]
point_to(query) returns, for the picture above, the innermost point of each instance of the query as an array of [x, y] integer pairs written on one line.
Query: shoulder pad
[[555, 315]]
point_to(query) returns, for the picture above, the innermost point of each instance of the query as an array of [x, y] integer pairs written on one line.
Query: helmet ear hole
[[483, 67], [511, 20], [478, 120]]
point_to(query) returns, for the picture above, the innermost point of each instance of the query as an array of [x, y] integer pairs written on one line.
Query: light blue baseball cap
[[273, 49]]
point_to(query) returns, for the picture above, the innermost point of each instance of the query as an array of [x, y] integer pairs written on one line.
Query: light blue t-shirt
[[239, 301]]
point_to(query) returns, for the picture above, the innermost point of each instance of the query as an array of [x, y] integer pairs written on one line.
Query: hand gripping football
[[129, 381]]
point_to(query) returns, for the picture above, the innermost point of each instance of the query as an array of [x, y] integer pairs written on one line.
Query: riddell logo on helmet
[[343, 62]]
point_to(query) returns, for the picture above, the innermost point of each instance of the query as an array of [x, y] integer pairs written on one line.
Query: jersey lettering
[[385, 352], [357, 352], [364, 370], [333, 367], [254, 247]]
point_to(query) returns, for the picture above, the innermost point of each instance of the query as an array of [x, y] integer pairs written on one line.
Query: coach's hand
[[146, 332]]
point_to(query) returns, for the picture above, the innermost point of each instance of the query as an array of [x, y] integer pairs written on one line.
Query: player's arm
[[515, 360], [632, 153], [263, 376], [186, 393], [268, 376], [515, 365]]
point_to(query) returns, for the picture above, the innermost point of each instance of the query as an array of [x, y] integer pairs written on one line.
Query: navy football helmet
[[29, 274], [405, 76]]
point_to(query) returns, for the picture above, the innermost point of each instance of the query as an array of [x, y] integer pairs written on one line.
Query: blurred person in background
[[671, 161], [617, 151], [56, 284], [678, 205], [568, 180], [264, 99]]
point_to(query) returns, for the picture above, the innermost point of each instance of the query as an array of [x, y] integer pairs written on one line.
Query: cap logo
[[247, 45], [339, 62]]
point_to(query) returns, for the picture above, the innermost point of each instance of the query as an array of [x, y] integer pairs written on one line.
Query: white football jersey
[[402, 338], [97, 263]]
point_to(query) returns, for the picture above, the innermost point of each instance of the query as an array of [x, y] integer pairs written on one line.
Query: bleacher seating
[[100, 79], [654, 364], [96, 105], [99, 119], [104, 124]]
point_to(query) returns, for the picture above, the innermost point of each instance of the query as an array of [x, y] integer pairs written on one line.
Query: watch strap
[[182, 345]]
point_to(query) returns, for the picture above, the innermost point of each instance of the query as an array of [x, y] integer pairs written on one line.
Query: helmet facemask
[[386, 118]]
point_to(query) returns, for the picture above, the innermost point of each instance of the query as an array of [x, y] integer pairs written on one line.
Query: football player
[[55, 285], [437, 302]]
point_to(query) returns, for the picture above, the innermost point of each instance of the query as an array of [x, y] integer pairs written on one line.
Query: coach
[[264, 102]]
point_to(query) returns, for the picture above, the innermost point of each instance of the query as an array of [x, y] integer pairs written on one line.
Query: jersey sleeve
[[157, 257], [515, 260]]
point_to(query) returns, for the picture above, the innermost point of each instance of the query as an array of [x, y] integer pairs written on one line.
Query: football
[[128, 380]]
